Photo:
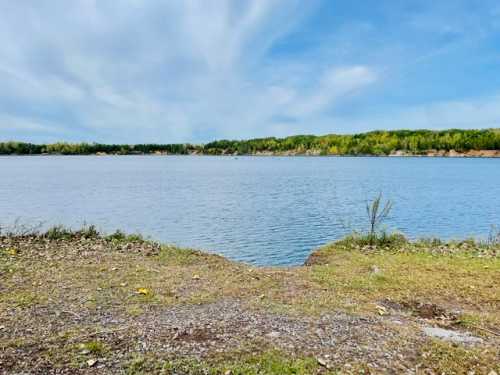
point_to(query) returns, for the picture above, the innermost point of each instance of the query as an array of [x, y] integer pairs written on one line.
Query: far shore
[[311, 153]]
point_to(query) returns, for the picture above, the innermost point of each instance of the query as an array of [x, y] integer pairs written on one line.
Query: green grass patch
[[268, 363], [446, 358]]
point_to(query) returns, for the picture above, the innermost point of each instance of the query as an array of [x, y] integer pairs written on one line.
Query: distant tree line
[[371, 143], [20, 148]]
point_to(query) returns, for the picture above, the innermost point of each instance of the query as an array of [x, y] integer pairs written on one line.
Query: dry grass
[[68, 297], [457, 282]]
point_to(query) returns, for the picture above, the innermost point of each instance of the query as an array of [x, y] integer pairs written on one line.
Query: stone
[[454, 336]]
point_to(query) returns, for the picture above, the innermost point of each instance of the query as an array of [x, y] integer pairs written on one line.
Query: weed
[[377, 213], [93, 347], [120, 236], [58, 232]]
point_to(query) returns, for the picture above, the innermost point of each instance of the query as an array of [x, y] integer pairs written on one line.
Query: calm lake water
[[262, 210]]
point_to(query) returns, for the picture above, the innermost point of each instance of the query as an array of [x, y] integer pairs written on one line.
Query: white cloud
[[465, 114], [334, 84], [473, 113], [161, 71], [188, 70]]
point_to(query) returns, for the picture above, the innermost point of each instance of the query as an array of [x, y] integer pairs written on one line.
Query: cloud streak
[[180, 71]]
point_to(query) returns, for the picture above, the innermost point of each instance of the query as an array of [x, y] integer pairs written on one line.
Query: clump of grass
[[138, 365], [89, 231], [382, 239], [446, 358], [93, 347], [377, 212], [120, 236], [494, 236], [59, 232]]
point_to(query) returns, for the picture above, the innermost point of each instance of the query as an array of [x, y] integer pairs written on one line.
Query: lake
[[261, 210]]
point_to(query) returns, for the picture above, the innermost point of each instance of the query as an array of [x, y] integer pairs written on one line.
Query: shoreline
[[474, 154]]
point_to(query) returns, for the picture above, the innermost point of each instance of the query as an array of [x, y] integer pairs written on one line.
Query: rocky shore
[[453, 153], [80, 302]]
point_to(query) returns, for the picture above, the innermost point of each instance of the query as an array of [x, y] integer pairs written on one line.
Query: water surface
[[263, 210]]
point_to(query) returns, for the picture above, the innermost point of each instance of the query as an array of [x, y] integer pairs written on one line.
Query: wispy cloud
[[178, 71]]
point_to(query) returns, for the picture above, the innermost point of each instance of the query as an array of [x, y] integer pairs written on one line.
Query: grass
[[459, 276], [270, 362], [446, 358], [80, 276]]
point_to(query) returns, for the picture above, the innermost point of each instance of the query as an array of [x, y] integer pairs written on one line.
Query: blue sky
[[134, 71]]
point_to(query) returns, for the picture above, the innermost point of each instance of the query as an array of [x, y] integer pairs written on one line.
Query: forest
[[379, 143]]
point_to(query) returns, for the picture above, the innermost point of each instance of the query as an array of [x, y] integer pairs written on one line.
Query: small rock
[[448, 335], [273, 334], [91, 362], [374, 269], [321, 362]]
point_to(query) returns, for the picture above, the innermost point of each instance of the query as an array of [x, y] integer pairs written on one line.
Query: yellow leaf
[[143, 291], [12, 251], [381, 310]]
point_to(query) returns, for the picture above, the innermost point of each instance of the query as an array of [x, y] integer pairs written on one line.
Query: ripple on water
[[259, 210]]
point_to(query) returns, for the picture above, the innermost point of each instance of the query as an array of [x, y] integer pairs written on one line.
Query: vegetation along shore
[[82, 302], [449, 143]]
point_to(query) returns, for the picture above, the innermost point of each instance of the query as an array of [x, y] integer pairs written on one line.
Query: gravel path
[[226, 326]]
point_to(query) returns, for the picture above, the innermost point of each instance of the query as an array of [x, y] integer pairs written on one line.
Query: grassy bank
[[82, 302]]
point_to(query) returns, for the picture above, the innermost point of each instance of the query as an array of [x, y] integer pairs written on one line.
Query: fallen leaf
[[196, 277], [12, 251], [143, 291], [91, 362], [381, 310]]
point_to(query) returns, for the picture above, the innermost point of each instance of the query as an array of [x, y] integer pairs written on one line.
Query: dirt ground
[[74, 303]]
